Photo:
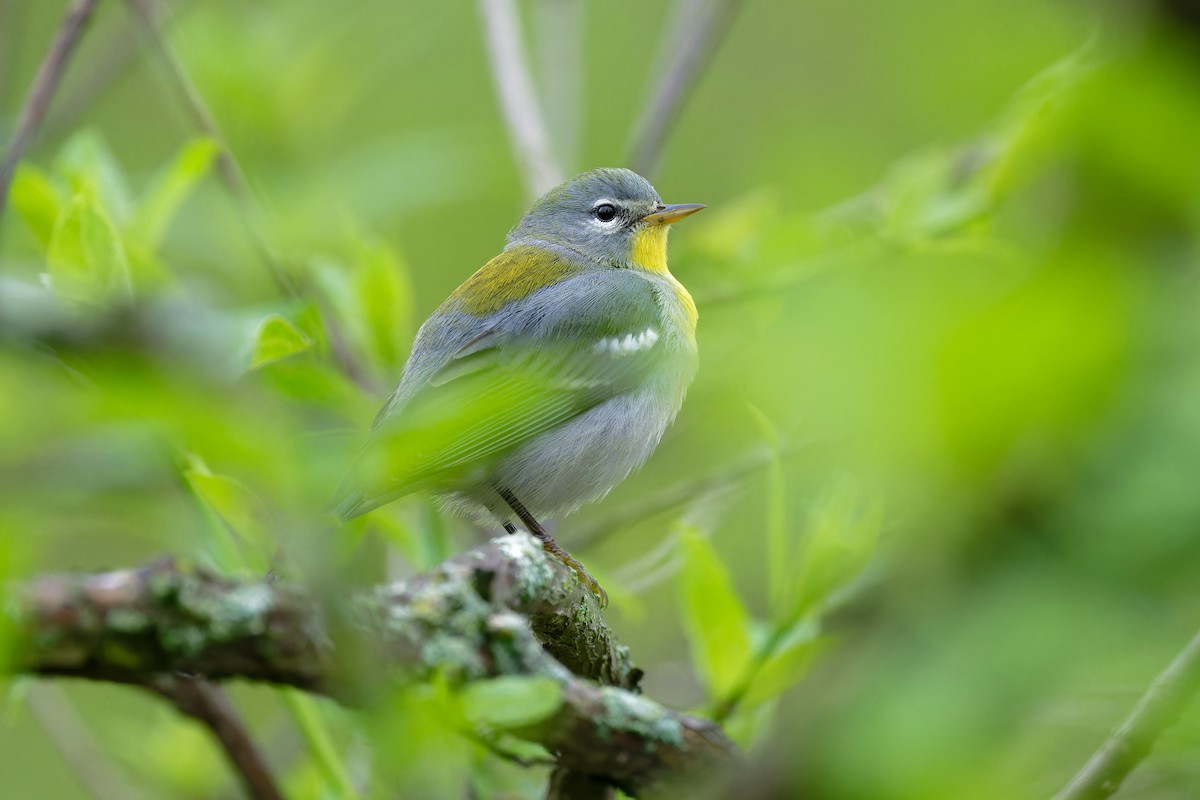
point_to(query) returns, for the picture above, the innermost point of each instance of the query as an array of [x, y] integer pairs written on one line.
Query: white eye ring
[[605, 212]]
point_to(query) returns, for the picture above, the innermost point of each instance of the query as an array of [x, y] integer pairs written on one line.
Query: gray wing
[[546, 359]]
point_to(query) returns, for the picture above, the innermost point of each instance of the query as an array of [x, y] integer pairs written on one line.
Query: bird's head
[[611, 215]]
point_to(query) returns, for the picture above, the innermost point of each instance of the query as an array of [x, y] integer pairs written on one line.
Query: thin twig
[[206, 703], [76, 744], [228, 168], [707, 23], [674, 495], [1158, 709], [45, 84], [118, 53], [518, 100]]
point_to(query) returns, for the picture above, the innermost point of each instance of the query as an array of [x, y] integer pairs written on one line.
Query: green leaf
[[311, 322], [86, 260], [37, 200], [277, 338], [786, 666], [87, 164], [716, 622], [239, 510], [383, 300], [780, 549], [511, 701], [840, 539], [315, 729], [166, 194]]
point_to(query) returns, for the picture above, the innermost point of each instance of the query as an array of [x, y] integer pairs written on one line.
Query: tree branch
[[504, 608], [518, 100], [1158, 709], [45, 84], [207, 704]]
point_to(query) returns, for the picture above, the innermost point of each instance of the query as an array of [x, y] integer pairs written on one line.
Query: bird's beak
[[665, 215]]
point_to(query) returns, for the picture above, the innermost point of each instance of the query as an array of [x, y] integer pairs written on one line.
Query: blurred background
[[928, 523]]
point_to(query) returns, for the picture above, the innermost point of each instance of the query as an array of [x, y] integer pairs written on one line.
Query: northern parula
[[550, 374]]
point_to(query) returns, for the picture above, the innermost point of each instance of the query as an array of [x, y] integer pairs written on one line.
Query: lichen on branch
[[504, 608]]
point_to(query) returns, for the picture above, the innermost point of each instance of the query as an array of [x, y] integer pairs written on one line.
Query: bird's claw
[[553, 548]]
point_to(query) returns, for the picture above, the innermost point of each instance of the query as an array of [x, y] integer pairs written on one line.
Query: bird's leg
[[549, 545]]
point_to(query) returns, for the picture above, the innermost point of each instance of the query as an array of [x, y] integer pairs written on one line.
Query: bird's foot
[[555, 549]]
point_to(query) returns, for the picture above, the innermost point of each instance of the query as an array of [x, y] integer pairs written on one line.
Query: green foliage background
[[928, 522]]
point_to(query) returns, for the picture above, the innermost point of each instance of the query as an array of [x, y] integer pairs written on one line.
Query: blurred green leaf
[[716, 622], [87, 163], [37, 200], [86, 260], [788, 664], [315, 728], [933, 194], [1034, 119], [161, 201], [840, 539], [511, 701], [237, 507], [383, 302], [311, 322], [277, 338], [780, 549]]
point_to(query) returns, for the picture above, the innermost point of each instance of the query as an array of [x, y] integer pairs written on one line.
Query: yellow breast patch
[[691, 315], [513, 275], [650, 248], [650, 253]]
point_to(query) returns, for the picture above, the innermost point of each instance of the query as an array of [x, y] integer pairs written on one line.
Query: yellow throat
[[650, 253]]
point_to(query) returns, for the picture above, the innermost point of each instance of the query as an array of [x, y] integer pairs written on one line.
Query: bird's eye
[[605, 212]]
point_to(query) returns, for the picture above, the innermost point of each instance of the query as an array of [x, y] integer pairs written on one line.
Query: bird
[[549, 375]]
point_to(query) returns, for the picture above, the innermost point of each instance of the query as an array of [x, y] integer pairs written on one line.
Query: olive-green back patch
[[514, 274]]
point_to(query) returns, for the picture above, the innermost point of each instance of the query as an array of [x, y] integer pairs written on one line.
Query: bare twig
[[209, 705], [504, 608], [1158, 709], [76, 744], [702, 26], [670, 497], [45, 84], [518, 100]]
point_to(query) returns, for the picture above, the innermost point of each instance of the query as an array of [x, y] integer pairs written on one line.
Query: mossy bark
[[504, 608]]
